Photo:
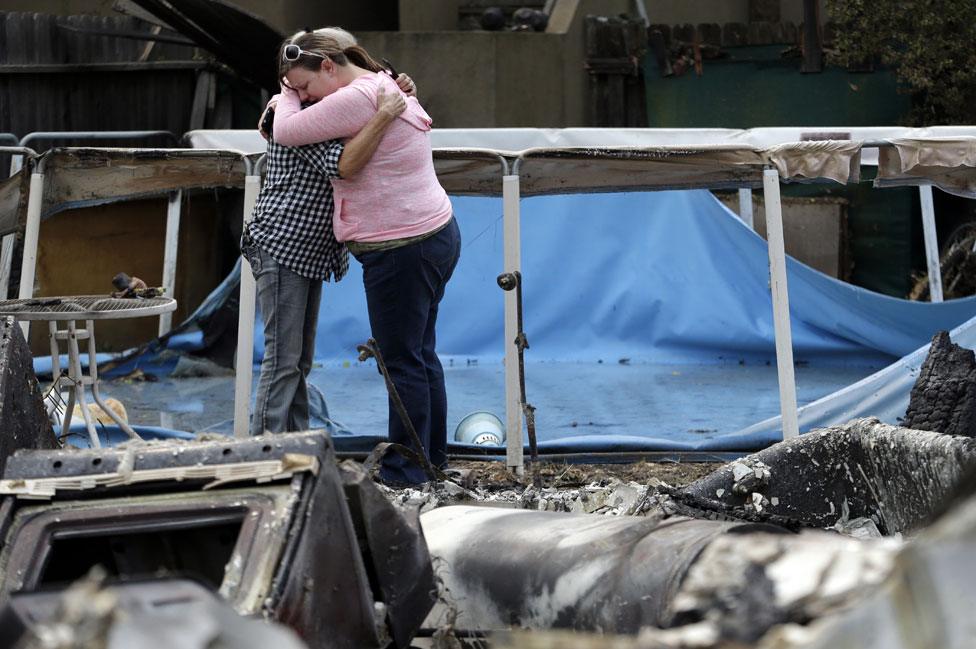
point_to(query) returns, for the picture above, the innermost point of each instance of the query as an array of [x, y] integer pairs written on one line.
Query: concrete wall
[[481, 79], [467, 79], [289, 16], [428, 15], [792, 11]]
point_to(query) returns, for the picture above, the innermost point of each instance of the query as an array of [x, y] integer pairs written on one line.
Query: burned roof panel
[[240, 40]]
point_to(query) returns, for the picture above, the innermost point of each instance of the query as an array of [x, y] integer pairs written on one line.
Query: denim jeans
[[289, 305], [404, 287]]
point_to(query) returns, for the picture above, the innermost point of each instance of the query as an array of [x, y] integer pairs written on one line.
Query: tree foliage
[[930, 44]]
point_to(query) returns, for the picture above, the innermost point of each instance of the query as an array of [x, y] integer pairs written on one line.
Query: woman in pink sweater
[[394, 217]]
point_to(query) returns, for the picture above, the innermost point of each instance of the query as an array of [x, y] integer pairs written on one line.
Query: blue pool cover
[[624, 294]]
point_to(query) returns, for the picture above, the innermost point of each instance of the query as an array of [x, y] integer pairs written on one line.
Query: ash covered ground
[[489, 475]]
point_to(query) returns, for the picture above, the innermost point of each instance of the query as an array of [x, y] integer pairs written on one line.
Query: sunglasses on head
[[293, 52]]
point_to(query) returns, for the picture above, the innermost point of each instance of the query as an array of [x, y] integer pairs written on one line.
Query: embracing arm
[[361, 148], [340, 115]]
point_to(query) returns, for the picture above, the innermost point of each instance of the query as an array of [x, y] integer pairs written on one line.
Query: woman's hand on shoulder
[[390, 104], [407, 85]]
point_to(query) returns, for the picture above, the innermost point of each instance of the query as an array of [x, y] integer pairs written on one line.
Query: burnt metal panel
[[324, 594], [298, 558], [395, 552], [156, 614], [237, 38], [84, 177], [53, 76], [36, 528], [539, 570], [25, 465]]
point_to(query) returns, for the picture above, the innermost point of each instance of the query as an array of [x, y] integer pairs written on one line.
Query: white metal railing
[[510, 181]]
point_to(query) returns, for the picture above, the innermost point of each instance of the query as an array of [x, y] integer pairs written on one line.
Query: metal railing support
[[245, 322], [6, 249], [512, 263], [932, 260], [17, 153], [48, 136], [170, 254], [32, 229], [781, 304]]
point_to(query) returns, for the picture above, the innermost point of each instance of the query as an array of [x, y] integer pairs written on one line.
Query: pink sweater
[[396, 195]]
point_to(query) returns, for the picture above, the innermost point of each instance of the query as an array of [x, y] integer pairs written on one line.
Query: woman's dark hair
[[325, 46]]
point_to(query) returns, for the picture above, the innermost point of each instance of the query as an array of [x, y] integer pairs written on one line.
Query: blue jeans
[[289, 306], [404, 287]]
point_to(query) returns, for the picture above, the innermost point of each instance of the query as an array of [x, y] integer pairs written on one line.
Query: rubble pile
[[272, 526], [736, 575], [713, 562], [864, 479], [610, 497]]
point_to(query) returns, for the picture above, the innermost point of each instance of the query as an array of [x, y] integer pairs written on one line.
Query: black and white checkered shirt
[[292, 218]]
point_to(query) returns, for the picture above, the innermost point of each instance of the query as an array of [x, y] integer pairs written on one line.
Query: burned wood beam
[[812, 45]]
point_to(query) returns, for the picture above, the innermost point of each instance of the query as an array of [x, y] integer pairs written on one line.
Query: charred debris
[[854, 535]]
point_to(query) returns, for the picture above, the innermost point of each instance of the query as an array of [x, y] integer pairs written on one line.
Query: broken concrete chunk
[[749, 475], [758, 502], [859, 528], [740, 471]]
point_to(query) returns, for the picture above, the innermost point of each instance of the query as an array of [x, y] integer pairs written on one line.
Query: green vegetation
[[928, 43]]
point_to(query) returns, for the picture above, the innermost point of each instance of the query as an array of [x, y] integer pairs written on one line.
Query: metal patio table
[[88, 308]]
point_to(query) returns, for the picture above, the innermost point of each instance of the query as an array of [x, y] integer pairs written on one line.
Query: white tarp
[[515, 140], [948, 163], [472, 161]]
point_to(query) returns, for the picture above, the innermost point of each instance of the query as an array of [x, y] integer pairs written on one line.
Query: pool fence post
[[244, 367], [781, 303], [512, 263]]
